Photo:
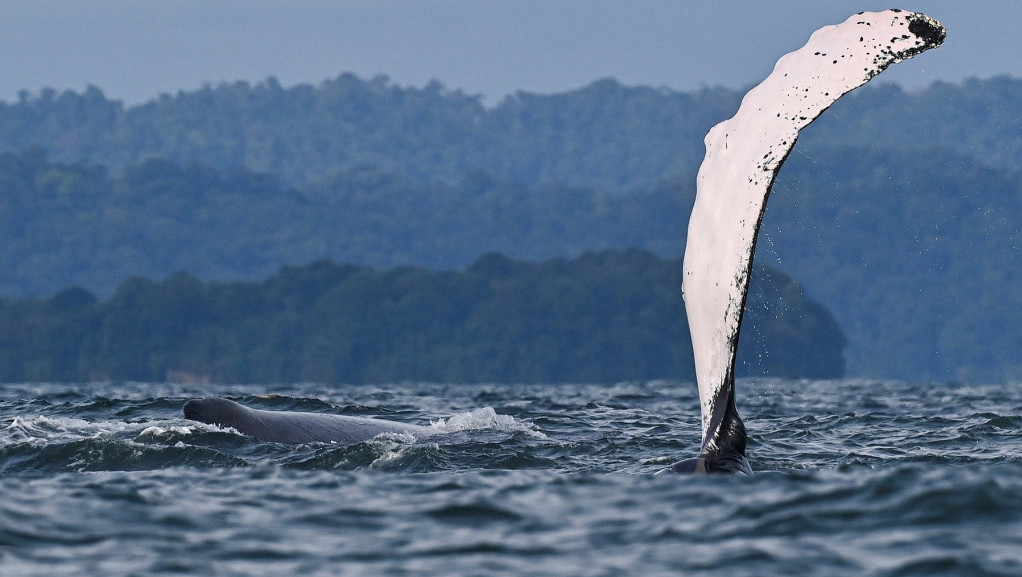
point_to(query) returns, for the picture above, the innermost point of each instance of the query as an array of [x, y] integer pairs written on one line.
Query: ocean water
[[853, 478]]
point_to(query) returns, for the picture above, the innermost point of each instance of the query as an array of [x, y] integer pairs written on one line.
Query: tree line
[[604, 135], [602, 317], [913, 250], [74, 224], [897, 210]]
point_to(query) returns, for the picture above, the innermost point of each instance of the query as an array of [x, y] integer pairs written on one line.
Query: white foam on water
[[395, 437], [392, 446], [157, 431], [485, 418], [42, 429]]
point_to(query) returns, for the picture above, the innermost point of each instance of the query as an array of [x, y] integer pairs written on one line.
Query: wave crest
[[485, 418]]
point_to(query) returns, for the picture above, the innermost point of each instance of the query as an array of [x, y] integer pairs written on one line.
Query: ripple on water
[[128, 487]]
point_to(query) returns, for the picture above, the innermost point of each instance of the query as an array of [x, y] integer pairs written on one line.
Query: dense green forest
[[603, 317], [76, 225], [898, 210], [604, 136]]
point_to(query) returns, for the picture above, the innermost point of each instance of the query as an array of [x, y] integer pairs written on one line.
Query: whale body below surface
[[743, 157], [295, 428]]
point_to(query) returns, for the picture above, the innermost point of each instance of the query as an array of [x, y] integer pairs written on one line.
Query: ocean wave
[[485, 418]]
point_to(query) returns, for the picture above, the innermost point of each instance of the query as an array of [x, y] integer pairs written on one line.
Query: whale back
[[293, 427]]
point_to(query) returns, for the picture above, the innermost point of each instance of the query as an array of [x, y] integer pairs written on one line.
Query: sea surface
[[852, 478]]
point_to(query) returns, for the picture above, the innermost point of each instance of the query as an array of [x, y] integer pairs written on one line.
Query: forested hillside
[[603, 317], [898, 210], [604, 136], [77, 225]]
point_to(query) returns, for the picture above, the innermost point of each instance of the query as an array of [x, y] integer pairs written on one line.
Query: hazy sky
[[134, 50]]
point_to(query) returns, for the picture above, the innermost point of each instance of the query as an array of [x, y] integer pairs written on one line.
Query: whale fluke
[[295, 428], [743, 157]]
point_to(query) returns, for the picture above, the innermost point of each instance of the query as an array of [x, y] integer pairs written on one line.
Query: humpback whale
[[743, 157], [295, 428]]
